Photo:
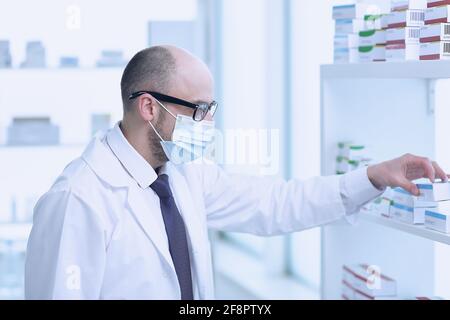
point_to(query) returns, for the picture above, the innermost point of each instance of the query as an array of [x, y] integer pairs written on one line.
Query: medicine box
[[367, 38], [373, 22], [365, 55], [403, 197], [408, 18], [353, 11], [437, 15], [434, 192], [364, 279], [346, 55], [439, 50], [402, 52], [379, 53], [401, 5], [435, 32], [405, 35], [384, 21], [437, 3], [402, 213], [372, 38], [346, 41], [348, 26], [407, 214], [382, 206], [438, 218]]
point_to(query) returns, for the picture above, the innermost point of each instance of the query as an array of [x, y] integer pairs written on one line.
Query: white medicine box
[[438, 218], [433, 192]]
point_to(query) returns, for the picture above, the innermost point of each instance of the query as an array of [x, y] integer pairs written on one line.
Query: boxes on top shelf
[[402, 5], [367, 281], [369, 54], [372, 38], [380, 37], [373, 22], [405, 35], [346, 55], [402, 52], [437, 15], [354, 11], [435, 32], [385, 21], [348, 26], [407, 18], [346, 41], [439, 50], [379, 53], [437, 3], [433, 192], [438, 218]]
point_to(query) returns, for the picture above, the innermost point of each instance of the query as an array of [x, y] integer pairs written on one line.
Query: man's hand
[[401, 171]]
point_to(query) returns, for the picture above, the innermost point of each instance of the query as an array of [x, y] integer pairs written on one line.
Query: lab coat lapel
[[197, 234], [147, 221]]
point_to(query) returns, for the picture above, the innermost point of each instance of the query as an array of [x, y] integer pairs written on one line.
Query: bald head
[[168, 70], [150, 69]]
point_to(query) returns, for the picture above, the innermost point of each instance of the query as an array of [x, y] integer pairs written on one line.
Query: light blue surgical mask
[[191, 140]]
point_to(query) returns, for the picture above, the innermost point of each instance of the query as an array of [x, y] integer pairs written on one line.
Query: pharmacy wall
[[387, 99]]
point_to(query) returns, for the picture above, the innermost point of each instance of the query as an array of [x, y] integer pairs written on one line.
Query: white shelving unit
[[392, 108]]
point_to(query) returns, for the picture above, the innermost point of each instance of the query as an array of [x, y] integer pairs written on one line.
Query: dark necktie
[[176, 233]]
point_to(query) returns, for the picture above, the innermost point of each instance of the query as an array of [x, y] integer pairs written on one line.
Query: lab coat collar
[[104, 163], [141, 171]]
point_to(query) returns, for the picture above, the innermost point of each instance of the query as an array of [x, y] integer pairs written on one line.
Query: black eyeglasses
[[201, 110]]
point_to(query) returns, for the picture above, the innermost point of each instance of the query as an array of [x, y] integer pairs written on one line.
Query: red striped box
[[437, 15], [403, 35], [362, 279], [439, 50], [437, 3], [435, 32], [402, 52], [407, 18]]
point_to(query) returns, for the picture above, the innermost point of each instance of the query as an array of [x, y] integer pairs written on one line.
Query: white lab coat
[[93, 236]]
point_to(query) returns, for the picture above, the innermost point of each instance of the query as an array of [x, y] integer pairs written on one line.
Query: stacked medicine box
[[349, 21], [372, 40], [403, 33], [435, 34], [431, 208], [351, 157]]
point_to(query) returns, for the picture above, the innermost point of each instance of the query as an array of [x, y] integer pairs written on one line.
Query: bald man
[[129, 220]]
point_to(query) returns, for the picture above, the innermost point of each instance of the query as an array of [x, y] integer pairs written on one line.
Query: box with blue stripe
[[439, 191], [438, 218]]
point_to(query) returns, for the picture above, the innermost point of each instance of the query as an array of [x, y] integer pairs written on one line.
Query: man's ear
[[147, 107]]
